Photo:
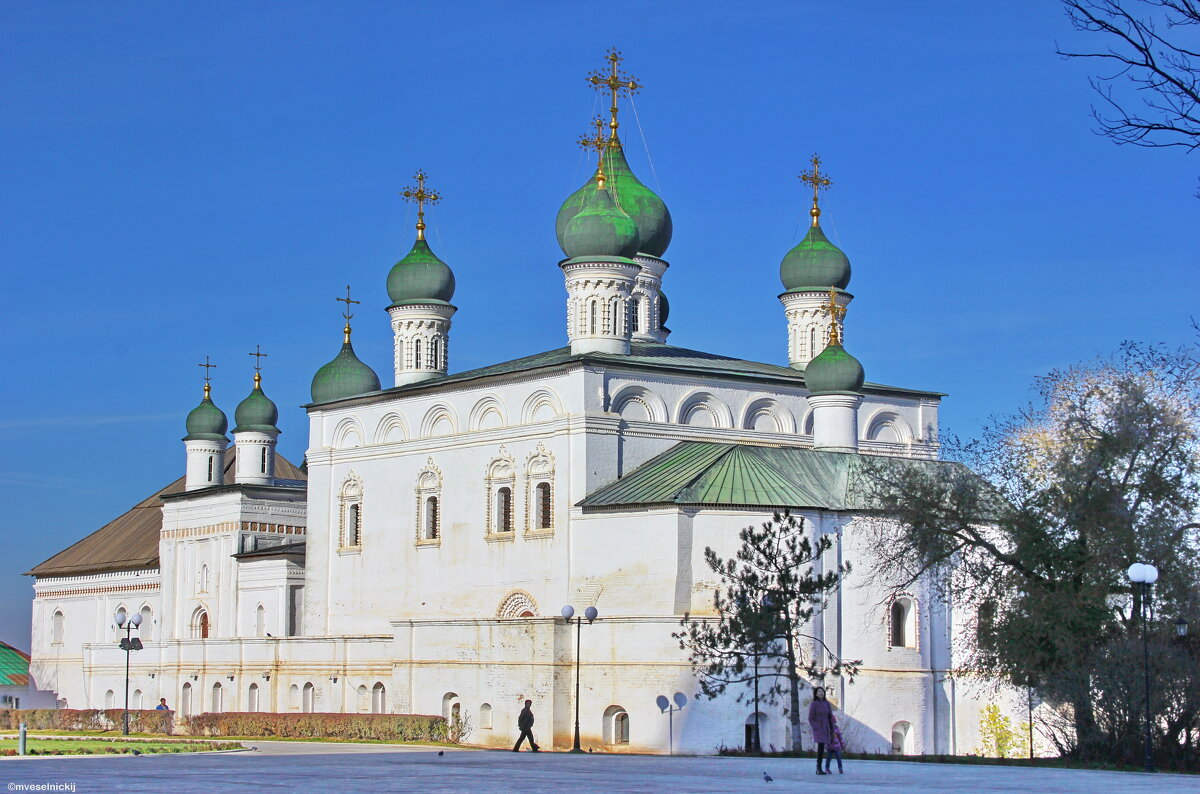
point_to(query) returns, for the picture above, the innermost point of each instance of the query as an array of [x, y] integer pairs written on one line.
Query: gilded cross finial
[[208, 367], [600, 145], [818, 181], [614, 82], [422, 197], [258, 357], [836, 312], [347, 314]]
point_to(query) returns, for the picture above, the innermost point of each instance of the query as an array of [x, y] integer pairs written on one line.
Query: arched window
[[434, 353], [364, 698], [449, 704], [504, 522], [539, 493], [354, 525], [210, 468], [110, 699], [901, 738], [135, 700], [634, 320], [432, 523], [260, 621], [185, 700], [252, 698], [593, 310], [146, 630], [616, 725], [379, 698], [902, 623], [202, 584], [501, 476], [308, 698], [217, 698], [57, 627], [120, 619], [416, 354], [200, 624], [543, 505], [263, 462], [485, 716], [612, 325], [294, 697], [428, 511], [812, 342]]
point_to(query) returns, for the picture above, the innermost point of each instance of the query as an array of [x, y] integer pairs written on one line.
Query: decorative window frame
[[912, 622], [501, 473], [350, 496], [539, 468], [429, 484], [514, 604]]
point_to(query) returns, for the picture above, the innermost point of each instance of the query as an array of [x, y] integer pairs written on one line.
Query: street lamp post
[[1145, 575], [669, 708], [128, 645], [590, 613]]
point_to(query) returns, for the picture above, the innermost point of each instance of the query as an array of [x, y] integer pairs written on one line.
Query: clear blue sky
[[183, 179]]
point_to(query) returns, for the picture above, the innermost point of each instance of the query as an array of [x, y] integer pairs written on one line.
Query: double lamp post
[[128, 644]]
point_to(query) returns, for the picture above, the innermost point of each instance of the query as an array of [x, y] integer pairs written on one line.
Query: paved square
[[291, 766]]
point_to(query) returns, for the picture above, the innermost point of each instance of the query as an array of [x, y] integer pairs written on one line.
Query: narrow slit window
[[543, 505], [431, 518], [353, 526], [210, 468], [264, 460], [417, 354]]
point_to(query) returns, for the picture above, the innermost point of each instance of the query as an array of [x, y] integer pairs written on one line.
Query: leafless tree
[[1150, 94]]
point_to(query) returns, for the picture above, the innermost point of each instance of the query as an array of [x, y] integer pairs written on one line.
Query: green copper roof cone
[[256, 413], [815, 263], [420, 277], [345, 376], [834, 371], [206, 422], [639, 202], [600, 228]]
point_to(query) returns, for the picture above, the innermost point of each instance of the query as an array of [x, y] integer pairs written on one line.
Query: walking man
[[525, 725]]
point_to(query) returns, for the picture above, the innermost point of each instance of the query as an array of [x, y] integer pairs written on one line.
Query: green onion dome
[[206, 422], [345, 376], [256, 413], [642, 204], [833, 371], [420, 277], [600, 229], [815, 263]]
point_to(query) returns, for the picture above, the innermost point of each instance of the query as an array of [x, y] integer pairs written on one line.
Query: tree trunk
[[794, 696]]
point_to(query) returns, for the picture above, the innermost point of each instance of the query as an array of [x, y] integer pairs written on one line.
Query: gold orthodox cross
[[422, 197], [819, 182], [614, 82], [208, 367], [836, 312], [347, 314], [600, 145]]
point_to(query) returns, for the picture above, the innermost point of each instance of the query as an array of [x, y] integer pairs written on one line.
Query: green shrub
[[140, 721], [357, 727]]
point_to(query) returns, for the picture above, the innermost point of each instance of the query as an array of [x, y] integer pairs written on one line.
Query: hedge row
[[379, 727], [148, 721]]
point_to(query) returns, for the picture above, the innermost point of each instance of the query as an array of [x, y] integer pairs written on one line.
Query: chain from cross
[[346, 300], [259, 356], [836, 312], [818, 181], [599, 144], [208, 367], [614, 82], [422, 197]]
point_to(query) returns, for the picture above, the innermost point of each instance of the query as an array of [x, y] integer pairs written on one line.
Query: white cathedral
[[419, 560]]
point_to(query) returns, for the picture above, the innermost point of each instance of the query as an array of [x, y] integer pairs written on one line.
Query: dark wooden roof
[[130, 541]]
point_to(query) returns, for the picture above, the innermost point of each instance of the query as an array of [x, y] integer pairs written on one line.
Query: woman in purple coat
[[820, 719]]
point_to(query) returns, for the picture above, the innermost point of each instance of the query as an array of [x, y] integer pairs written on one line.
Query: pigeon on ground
[[767, 778], [441, 752], [136, 752]]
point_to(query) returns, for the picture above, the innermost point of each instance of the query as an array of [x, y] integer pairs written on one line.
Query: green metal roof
[[653, 356], [14, 666], [701, 473]]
